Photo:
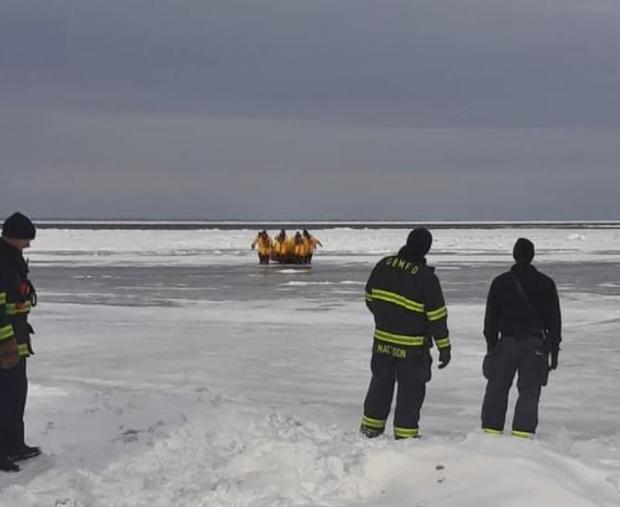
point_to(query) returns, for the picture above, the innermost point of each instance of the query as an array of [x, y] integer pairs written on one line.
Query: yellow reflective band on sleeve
[[400, 339], [491, 431], [2, 298], [406, 432], [367, 296], [6, 332], [440, 313], [23, 350], [15, 308], [443, 343], [522, 434], [397, 299], [373, 423]]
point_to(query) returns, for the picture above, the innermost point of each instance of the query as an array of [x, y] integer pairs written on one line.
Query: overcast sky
[[313, 109]]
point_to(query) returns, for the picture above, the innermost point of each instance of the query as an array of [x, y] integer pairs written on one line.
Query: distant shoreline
[[270, 224]]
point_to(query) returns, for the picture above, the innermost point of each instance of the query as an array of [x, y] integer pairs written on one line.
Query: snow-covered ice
[[171, 370]]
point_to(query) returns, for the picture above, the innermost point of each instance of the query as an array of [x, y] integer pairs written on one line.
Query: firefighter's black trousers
[[411, 368], [526, 356], [13, 392]]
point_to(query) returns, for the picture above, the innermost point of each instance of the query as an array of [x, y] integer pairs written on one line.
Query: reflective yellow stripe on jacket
[[438, 314], [15, 308], [394, 298], [6, 332], [23, 350], [443, 343], [400, 339]]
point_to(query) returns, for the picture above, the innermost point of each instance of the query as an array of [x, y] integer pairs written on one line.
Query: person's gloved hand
[[554, 359], [444, 357]]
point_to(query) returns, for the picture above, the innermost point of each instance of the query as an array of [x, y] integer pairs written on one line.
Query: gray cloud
[[317, 108]]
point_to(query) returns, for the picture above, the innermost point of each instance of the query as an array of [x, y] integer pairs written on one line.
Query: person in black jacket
[[522, 327], [405, 298], [17, 296]]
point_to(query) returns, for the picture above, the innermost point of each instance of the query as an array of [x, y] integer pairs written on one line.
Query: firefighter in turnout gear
[[311, 245], [265, 245], [522, 327], [405, 298], [17, 296], [300, 248], [280, 248]]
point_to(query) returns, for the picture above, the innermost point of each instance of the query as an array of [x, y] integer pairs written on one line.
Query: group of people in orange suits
[[283, 249]]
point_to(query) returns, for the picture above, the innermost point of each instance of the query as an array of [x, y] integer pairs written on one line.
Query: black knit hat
[[523, 250], [18, 226], [419, 242]]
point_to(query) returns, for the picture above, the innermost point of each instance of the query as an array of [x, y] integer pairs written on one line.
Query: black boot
[[7, 465], [24, 452], [370, 432]]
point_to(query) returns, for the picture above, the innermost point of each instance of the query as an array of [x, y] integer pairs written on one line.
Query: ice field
[[172, 370]]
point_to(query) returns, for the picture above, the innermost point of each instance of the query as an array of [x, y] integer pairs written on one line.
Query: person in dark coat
[[522, 327], [404, 295], [17, 297]]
